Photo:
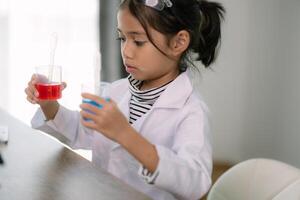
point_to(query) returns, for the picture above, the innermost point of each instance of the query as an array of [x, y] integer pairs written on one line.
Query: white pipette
[[53, 44]]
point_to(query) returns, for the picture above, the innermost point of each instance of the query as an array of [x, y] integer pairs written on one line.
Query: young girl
[[153, 132]]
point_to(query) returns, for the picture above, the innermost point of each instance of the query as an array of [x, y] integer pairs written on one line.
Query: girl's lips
[[129, 68]]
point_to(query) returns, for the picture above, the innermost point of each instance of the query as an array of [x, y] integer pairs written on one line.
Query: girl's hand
[[108, 119], [32, 93]]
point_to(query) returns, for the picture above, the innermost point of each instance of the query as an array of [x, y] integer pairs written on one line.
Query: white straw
[[97, 71], [53, 44]]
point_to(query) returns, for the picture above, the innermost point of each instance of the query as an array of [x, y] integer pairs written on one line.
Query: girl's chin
[[136, 77]]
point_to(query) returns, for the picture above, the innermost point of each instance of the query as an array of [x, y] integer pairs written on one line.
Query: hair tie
[[158, 4]]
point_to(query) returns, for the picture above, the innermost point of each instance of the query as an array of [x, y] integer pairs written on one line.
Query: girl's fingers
[[88, 117], [31, 90], [91, 108], [31, 85], [33, 77], [36, 99], [31, 100], [87, 114], [88, 123], [28, 92]]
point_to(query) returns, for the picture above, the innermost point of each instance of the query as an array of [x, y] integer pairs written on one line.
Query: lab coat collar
[[176, 93]]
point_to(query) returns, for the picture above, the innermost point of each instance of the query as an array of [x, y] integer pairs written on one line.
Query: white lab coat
[[177, 125]]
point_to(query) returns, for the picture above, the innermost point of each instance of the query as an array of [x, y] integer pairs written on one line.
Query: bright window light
[[28, 26]]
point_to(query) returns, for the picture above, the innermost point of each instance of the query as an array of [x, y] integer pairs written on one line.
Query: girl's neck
[[149, 84]]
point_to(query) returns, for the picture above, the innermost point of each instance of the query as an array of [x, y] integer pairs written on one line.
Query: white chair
[[258, 179]]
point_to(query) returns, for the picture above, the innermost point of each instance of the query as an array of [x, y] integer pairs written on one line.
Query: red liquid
[[49, 91]]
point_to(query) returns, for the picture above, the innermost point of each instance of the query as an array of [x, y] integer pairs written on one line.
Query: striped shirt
[[141, 101]]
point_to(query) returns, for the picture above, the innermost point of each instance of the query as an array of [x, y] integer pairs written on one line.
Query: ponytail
[[209, 30]]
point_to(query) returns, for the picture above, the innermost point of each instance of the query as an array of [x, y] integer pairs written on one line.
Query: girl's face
[[140, 57]]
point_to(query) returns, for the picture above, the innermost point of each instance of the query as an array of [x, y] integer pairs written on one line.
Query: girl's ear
[[180, 42]]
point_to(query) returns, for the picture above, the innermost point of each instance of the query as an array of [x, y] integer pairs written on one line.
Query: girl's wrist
[[49, 109], [124, 137]]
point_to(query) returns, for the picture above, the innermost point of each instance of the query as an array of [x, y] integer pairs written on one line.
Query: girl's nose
[[127, 50]]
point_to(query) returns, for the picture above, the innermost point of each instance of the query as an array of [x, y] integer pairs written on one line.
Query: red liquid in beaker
[[49, 91]]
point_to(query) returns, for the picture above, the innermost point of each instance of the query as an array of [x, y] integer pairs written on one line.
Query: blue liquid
[[92, 103]]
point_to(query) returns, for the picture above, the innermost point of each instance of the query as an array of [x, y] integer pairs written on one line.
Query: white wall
[[254, 91], [289, 137], [3, 57]]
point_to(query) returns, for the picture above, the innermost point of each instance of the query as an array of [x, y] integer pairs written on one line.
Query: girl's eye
[[139, 43]]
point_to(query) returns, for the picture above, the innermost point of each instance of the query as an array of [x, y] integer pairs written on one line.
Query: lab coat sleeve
[[65, 127], [185, 170]]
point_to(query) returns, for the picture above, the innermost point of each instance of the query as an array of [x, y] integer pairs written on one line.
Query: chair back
[[258, 179]]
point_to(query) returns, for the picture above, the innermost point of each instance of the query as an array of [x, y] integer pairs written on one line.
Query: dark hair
[[202, 19]]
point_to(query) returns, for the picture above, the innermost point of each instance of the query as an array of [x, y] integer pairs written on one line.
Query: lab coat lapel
[[174, 97]]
